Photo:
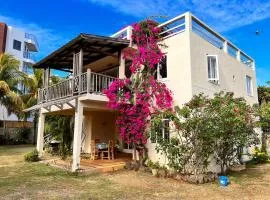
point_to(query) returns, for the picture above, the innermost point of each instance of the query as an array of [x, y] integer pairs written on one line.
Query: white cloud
[[224, 15], [48, 39]]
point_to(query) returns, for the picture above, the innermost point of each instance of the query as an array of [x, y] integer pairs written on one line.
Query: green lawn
[[20, 180]]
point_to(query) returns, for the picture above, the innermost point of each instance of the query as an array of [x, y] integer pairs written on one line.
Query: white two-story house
[[198, 60]]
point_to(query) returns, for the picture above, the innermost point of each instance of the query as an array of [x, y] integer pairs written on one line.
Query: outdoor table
[[102, 146]]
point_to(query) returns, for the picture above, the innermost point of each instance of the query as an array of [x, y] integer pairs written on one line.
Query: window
[[212, 65], [163, 132], [17, 45], [249, 85], [162, 69]]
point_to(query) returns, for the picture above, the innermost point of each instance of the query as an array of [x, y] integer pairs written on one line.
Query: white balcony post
[[225, 46], [80, 70], [121, 66], [77, 136], [129, 34], [88, 80], [40, 134], [238, 55], [253, 65], [188, 21]]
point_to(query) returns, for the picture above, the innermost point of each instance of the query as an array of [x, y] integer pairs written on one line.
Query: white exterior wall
[[178, 80], [187, 75], [227, 67], [15, 34]]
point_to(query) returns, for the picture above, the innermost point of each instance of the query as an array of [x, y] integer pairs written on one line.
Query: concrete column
[[40, 134], [121, 66], [238, 55], [253, 65], [188, 21], [77, 137], [225, 46], [129, 34]]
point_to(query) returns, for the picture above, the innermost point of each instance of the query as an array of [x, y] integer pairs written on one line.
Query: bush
[[259, 156], [31, 156], [153, 165], [22, 136]]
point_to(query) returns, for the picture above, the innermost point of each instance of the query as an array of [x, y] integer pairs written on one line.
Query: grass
[[20, 180]]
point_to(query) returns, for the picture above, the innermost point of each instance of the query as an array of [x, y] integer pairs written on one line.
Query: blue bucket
[[223, 180]]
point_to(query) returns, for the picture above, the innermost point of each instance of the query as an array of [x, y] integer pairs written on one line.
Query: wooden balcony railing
[[88, 82]]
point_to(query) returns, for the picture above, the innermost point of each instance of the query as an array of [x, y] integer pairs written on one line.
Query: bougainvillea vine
[[138, 97]]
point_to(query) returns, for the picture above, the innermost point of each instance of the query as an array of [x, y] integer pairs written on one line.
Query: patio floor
[[88, 165]]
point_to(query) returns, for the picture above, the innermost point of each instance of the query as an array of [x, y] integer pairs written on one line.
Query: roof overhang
[[94, 48]]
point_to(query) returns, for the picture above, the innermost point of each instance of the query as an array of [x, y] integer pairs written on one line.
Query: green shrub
[[153, 165], [32, 156], [22, 136], [259, 156]]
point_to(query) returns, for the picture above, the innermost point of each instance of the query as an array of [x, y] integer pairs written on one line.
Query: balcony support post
[[40, 134], [121, 65], [88, 80], [80, 70], [77, 136]]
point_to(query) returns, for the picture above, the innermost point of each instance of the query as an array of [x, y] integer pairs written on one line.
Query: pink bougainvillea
[[141, 95]]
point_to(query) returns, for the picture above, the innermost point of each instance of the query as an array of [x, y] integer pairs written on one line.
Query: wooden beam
[[72, 106], [59, 106], [48, 108], [61, 69], [101, 52]]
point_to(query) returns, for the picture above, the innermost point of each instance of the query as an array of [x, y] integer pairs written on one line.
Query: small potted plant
[[154, 167]]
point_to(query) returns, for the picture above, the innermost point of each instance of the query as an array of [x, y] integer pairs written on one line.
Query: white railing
[[81, 84], [219, 41], [99, 82], [32, 37], [29, 55], [178, 25], [124, 33], [173, 26]]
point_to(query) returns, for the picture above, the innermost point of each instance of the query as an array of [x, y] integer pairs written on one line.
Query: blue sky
[[57, 21]]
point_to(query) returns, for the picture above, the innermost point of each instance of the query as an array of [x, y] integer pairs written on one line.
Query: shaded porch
[[90, 166]]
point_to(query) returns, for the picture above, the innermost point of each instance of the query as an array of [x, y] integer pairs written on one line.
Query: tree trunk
[[35, 127], [134, 152], [263, 147]]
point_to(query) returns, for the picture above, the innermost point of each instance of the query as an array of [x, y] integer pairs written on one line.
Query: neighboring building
[[197, 60], [22, 46]]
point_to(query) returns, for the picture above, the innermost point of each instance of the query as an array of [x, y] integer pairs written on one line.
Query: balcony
[[31, 42], [29, 57], [85, 83]]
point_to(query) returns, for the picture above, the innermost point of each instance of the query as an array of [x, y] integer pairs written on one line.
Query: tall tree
[[264, 103], [264, 93]]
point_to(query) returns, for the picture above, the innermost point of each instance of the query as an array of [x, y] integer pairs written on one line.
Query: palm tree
[[29, 99], [10, 77], [34, 82]]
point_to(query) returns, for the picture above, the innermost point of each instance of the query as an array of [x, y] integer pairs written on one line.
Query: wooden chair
[[97, 141], [109, 153], [93, 150]]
